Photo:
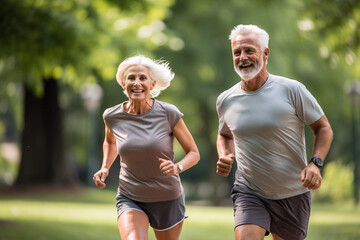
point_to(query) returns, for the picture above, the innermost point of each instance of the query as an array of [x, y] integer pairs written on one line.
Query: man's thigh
[[249, 210], [285, 218], [290, 216]]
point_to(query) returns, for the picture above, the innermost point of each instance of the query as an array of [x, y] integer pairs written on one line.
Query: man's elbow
[[330, 133]]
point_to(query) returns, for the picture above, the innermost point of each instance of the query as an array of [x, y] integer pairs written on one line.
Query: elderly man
[[261, 126]]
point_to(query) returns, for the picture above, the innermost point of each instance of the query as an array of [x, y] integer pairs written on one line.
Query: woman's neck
[[139, 107]]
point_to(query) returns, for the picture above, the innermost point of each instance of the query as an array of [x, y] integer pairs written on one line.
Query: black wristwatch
[[317, 161]]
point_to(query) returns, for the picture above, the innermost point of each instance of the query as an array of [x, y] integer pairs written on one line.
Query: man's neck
[[257, 82]]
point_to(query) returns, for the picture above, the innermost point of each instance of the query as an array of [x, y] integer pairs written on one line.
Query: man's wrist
[[317, 161]]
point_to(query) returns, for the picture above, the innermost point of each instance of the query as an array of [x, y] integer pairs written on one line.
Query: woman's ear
[[122, 84], [153, 84]]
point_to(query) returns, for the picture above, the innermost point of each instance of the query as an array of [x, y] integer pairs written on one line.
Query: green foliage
[[76, 41], [337, 184], [336, 24], [42, 39], [8, 169]]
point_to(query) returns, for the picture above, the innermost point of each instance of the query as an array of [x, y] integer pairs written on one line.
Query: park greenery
[[89, 214], [50, 50]]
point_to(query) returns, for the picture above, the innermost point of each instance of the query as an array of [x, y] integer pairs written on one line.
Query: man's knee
[[249, 231]]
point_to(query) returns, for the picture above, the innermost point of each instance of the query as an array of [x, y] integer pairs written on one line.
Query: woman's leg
[[133, 225], [173, 233]]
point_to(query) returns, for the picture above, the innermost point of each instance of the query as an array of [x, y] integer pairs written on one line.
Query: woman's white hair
[[159, 71], [247, 29]]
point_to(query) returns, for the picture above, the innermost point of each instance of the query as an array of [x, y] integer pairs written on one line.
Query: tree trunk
[[215, 179], [42, 150]]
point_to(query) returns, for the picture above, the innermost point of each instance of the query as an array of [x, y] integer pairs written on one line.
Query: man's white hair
[[247, 29], [159, 71]]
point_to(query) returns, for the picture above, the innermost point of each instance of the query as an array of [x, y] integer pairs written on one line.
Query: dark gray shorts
[[287, 217], [162, 215]]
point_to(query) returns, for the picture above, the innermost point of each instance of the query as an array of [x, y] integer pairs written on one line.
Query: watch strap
[[317, 161]]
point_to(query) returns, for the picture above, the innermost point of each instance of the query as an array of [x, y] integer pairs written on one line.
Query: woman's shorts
[[287, 217], [162, 215]]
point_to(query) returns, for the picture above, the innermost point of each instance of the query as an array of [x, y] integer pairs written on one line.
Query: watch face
[[180, 167], [318, 162]]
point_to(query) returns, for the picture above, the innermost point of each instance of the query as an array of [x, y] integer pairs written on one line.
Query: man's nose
[[243, 57]]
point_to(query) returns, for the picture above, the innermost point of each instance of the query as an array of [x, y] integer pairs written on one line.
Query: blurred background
[[58, 61]]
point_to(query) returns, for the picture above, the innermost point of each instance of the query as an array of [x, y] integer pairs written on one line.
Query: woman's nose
[[137, 81]]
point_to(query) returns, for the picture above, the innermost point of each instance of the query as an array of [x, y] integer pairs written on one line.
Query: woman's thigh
[[133, 225], [172, 233]]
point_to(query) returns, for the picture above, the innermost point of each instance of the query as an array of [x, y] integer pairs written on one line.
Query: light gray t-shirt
[[141, 140], [268, 130]]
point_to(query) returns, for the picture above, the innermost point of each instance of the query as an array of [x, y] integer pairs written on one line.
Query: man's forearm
[[224, 145]]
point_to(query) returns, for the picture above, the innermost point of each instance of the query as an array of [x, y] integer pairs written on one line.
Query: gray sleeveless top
[[268, 130], [141, 140]]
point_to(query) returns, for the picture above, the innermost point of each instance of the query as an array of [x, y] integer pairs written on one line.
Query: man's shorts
[[287, 217], [162, 215]]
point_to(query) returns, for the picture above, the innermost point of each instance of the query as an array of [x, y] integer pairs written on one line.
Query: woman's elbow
[[196, 157]]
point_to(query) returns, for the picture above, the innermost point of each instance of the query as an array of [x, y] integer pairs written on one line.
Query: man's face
[[247, 56]]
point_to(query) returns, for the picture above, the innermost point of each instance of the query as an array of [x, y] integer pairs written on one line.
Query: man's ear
[[266, 53]]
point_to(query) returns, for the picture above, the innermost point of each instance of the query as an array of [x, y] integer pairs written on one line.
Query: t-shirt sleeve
[[106, 117], [223, 127], [307, 108], [173, 114], [109, 115]]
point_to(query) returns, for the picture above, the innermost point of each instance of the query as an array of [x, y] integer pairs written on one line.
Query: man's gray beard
[[252, 74]]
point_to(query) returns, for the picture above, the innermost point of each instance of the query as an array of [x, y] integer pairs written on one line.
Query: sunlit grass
[[92, 215]]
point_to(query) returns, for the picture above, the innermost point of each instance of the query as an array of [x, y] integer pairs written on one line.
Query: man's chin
[[246, 76]]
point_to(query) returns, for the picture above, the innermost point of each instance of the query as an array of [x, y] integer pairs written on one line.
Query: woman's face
[[138, 83]]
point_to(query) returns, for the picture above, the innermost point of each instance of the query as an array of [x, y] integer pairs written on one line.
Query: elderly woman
[[142, 130]]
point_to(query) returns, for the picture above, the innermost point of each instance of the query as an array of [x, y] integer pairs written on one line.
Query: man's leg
[[249, 231], [276, 237], [251, 219]]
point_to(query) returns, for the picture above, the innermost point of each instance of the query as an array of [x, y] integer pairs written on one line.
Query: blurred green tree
[[74, 42], [336, 24]]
